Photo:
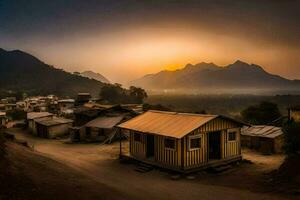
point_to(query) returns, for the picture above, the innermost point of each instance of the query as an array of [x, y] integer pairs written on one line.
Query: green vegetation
[[263, 113], [291, 131], [116, 94]]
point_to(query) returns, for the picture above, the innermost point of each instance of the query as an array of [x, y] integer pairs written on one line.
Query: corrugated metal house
[[33, 116], [53, 127], [98, 130], [182, 141], [266, 139]]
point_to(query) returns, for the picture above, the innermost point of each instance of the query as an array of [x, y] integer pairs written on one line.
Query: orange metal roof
[[170, 124]]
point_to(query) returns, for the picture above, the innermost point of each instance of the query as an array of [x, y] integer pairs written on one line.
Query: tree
[[116, 94], [138, 94], [112, 93], [263, 113], [291, 132]]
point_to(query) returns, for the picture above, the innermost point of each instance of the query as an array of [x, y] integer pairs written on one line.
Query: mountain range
[[20, 71], [210, 77], [94, 75]]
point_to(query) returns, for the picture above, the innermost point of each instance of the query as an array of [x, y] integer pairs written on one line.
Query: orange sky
[[124, 40]]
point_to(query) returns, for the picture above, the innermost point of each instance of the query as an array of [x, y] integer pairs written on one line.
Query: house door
[[214, 145], [150, 146]]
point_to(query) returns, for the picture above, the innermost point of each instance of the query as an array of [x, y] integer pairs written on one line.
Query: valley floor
[[93, 171]]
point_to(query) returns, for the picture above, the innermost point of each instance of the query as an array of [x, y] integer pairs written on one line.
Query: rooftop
[[66, 101], [105, 122], [170, 124], [262, 131], [36, 115], [53, 122]]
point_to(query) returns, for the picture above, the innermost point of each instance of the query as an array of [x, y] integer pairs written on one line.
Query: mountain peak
[[94, 75], [239, 62], [202, 76]]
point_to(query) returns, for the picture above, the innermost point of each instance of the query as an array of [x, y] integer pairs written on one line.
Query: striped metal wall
[[167, 156], [182, 156], [231, 148], [138, 149]]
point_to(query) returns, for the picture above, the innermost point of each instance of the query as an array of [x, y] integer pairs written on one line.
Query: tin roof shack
[[294, 113], [265, 139], [102, 129], [32, 116], [53, 127], [10, 106], [65, 104], [181, 141], [91, 111], [3, 119], [21, 105], [82, 98]]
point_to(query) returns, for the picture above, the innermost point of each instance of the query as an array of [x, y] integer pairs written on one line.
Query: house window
[[232, 136], [195, 143], [169, 143], [137, 137]]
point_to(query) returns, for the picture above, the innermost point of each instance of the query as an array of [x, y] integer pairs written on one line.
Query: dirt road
[[100, 163]]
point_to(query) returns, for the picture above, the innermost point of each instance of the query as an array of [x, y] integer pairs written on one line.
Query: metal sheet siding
[[138, 149], [184, 158], [199, 157], [166, 156]]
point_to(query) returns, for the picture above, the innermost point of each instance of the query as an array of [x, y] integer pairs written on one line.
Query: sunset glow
[[128, 45]]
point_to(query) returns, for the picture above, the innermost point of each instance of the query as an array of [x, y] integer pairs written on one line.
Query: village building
[[21, 105], [90, 111], [2, 107], [265, 139], [65, 104], [181, 141], [33, 116], [101, 129], [83, 98], [10, 106], [52, 127], [97, 122], [3, 119], [294, 113]]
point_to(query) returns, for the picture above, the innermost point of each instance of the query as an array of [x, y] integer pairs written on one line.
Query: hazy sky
[[125, 39]]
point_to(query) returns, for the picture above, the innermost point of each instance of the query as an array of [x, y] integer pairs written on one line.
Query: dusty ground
[[99, 163], [30, 175]]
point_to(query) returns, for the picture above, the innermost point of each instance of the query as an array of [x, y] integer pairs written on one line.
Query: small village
[[149, 100], [182, 144]]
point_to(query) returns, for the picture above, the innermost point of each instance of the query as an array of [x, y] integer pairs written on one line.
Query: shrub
[[263, 113]]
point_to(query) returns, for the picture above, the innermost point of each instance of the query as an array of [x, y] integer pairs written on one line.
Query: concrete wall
[[58, 130]]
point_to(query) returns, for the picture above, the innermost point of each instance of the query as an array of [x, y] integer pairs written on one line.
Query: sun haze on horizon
[[125, 40]]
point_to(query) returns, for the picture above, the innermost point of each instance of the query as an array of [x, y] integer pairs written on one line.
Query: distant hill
[[96, 76], [209, 77], [20, 71]]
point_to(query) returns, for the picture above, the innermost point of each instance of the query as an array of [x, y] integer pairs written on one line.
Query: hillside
[[96, 76], [207, 76], [20, 71]]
